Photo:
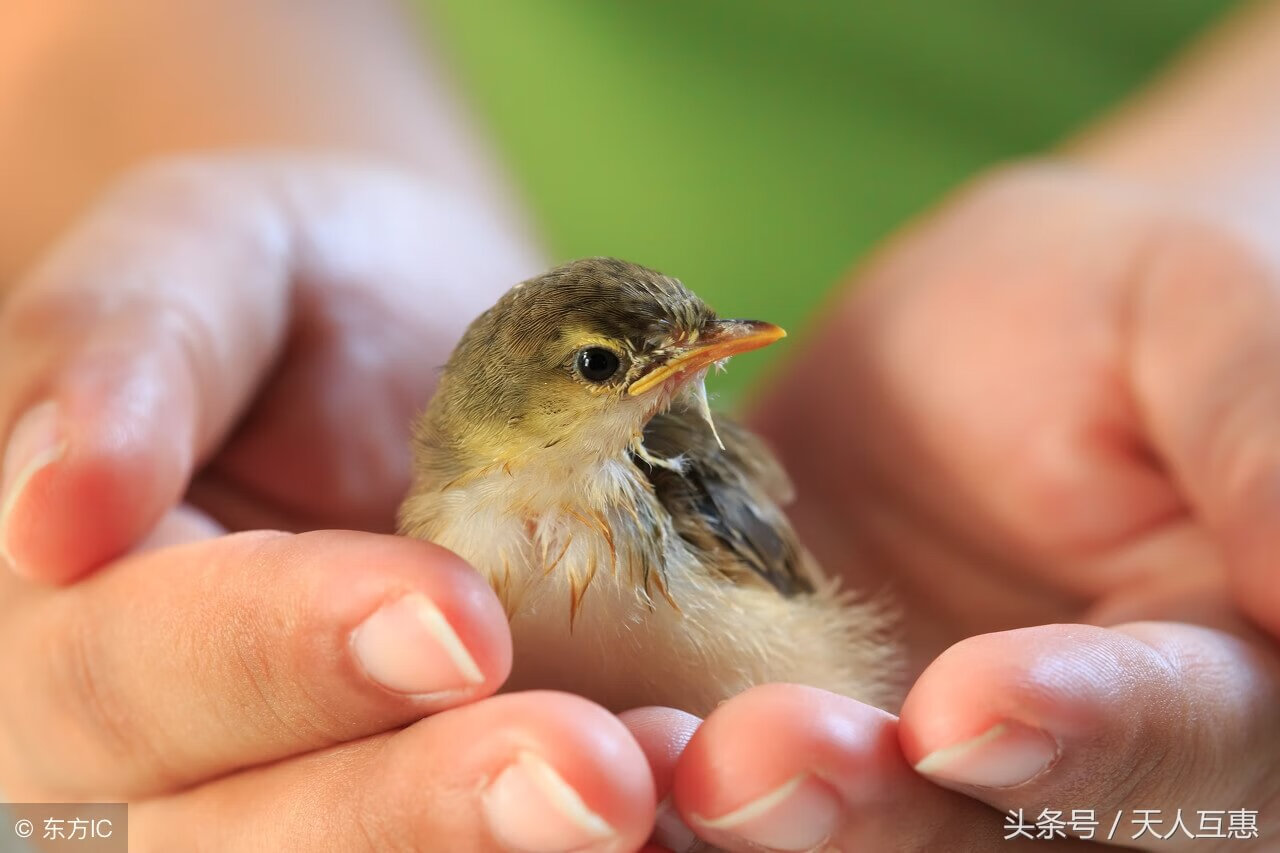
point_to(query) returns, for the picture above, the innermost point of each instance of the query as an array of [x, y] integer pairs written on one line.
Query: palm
[[972, 424], [326, 442]]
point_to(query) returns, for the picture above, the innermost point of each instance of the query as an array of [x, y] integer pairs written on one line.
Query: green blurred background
[[756, 149]]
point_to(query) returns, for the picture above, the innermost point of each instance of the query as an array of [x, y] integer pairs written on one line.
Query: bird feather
[[724, 501]]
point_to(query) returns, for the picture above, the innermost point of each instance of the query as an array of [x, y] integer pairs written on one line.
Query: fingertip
[[600, 740], [182, 525], [603, 762], [805, 726], [91, 469], [465, 600], [36, 444], [1139, 715], [562, 773], [795, 789], [662, 734], [829, 773], [417, 613], [80, 511], [1001, 711], [1051, 678]]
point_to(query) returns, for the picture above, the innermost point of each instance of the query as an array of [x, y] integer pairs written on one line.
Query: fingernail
[[34, 444], [670, 831], [532, 809], [1006, 755], [409, 647], [799, 815]]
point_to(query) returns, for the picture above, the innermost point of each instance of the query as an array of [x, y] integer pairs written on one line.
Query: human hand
[[1053, 401], [245, 692], [255, 334]]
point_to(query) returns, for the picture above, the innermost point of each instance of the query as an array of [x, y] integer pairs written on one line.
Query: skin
[[1144, 451], [1148, 514]]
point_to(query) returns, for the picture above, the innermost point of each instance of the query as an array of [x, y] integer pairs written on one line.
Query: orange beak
[[717, 341]]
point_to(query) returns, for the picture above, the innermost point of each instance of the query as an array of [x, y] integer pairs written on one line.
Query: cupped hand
[[1047, 417], [312, 691], [236, 343], [1018, 404], [254, 334]]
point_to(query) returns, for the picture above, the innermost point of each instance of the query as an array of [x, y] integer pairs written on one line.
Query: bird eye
[[597, 364]]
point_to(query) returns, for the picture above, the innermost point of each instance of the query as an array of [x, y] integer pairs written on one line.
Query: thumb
[[1147, 728]]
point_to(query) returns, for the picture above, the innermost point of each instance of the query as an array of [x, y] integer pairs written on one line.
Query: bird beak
[[717, 340]]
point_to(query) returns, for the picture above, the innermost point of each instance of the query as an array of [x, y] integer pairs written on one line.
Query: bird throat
[[547, 530], [558, 522]]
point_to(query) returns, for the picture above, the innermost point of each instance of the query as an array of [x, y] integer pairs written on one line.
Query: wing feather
[[726, 501]]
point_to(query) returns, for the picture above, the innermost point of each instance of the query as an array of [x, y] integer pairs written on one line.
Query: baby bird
[[635, 539]]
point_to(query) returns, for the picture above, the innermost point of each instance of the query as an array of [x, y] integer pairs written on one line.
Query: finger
[[663, 734], [1205, 365], [389, 273], [922, 353], [184, 663], [538, 772], [1150, 716], [829, 771], [127, 356], [182, 524]]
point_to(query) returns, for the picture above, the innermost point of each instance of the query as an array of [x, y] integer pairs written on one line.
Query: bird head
[[580, 358]]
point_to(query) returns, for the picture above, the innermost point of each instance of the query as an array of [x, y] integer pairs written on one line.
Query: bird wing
[[726, 501]]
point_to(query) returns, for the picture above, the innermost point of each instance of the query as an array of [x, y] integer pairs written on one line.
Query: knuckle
[[1140, 778], [1240, 453], [200, 197], [100, 708], [1163, 751], [392, 823], [375, 830], [96, 708], [1199, 248], [169, 210], [1190, 263], [1208, 296], [174, 177], [268, 672]]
